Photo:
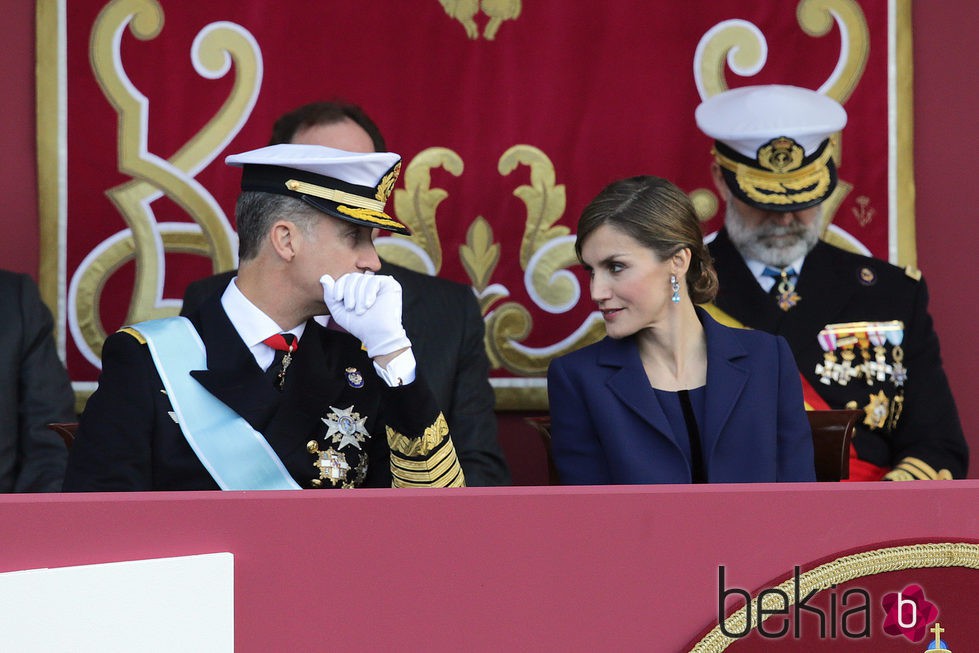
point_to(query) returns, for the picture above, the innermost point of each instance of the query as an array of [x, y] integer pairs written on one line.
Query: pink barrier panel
[[543, 569]]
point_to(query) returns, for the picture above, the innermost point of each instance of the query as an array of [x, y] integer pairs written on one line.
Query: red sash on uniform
[[860, 470]]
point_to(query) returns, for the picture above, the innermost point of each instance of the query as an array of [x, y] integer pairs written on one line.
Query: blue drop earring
[[675, 285]]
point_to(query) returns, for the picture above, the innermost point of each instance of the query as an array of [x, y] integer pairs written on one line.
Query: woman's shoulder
[[750, 339], [585, 356]]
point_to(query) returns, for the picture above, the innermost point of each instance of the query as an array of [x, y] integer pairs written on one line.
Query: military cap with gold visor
[[775, 144], [350, 186]]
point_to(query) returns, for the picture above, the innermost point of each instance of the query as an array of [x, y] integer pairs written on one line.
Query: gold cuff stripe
[[334, 195], [134, 333], [899, 475], [457, 480], [438, 477], [911, 468], [442, 459]]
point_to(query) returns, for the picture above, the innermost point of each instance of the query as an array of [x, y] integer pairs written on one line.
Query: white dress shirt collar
[[252, 325], [758, 268]]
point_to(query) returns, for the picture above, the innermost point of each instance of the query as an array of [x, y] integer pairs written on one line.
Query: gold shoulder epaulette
[[134, 333], [912, 272]]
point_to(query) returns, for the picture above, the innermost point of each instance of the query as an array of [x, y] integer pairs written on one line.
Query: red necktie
[[282, 342]]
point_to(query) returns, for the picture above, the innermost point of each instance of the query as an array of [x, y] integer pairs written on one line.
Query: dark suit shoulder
[[607, 351], [201, 290], [406, 277], [859, 269], [12, 279]]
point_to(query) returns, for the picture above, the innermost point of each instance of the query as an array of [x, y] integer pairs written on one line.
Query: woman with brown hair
[[670, 396]]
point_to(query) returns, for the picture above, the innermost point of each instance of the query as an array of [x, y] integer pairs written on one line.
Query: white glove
[[367, 305]]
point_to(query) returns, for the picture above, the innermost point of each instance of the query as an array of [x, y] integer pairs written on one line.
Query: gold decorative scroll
[[416, 206], [146, 241], [546, 252], [480, 256], [465, 11], [741, 45]]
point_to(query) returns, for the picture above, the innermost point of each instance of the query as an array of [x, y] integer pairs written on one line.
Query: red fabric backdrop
[[599, 92]]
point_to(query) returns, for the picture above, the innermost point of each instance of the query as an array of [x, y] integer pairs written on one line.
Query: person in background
[[859, 327], [442, 317], [670, 395], [250, 391], [36, 391]]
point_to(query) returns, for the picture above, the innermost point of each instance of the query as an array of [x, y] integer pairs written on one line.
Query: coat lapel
[[725, 380], [232, 375], [313, 383], [631, 385], [824, 289]]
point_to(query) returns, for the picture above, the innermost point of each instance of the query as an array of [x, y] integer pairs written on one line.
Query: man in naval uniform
[[251, 392], [441, 317], [859, 327]]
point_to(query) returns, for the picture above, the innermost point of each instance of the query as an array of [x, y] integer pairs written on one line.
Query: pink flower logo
[[908, 613]]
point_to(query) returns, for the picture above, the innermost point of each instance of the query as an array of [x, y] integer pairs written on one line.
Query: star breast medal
[[344, 428]]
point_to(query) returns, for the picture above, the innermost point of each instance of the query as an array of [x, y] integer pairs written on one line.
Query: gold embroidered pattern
[[771, 187], [781, 155], [414, 447], [367, 215], [387, 184]]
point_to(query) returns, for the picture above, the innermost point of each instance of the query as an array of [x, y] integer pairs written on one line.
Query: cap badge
[[780, 155]]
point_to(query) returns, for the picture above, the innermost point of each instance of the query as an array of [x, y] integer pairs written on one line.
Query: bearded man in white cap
[[858, 326], [251, 392]]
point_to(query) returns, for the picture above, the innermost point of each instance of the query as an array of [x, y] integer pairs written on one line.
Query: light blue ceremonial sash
[[237, 456]]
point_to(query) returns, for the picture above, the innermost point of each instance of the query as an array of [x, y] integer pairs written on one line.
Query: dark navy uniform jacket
[[127, 439], [835, 287], [443, 321]]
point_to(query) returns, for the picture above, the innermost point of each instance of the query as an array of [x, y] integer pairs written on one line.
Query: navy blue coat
[[607, 426]]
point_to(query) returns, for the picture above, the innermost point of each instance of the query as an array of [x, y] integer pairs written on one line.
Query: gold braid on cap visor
[[366, 209], [805, 184]]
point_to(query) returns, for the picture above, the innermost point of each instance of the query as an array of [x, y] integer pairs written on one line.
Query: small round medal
[[867, 276], [354, 378]]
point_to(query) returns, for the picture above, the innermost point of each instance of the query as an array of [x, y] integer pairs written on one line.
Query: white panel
[[170, 604]]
